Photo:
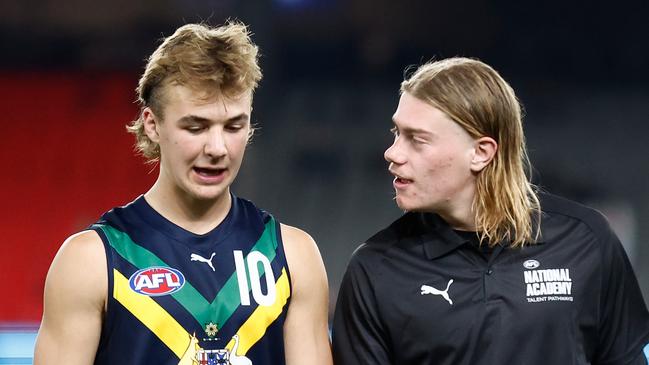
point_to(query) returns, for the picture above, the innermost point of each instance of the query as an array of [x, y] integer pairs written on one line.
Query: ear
[[484, 151], [150, 122]]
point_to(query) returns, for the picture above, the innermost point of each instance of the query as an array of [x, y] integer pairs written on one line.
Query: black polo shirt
[[419, 293]]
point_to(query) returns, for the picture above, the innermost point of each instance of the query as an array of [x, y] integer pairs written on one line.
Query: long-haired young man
[[481, 269]]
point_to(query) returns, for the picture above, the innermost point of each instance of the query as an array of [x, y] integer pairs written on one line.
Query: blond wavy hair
[[476, 97], [220, 61]]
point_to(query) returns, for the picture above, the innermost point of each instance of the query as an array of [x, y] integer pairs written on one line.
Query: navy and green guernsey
[[175, 297]]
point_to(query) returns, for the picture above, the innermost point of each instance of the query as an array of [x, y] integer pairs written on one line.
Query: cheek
[[440, 164], [442, 172], [454, 160], [237, 147], [447, 163], [170, 141], [188, 144], [180, 150]]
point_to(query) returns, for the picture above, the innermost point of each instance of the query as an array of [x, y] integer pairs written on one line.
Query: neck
[[459, 221], [459, 212], [195, 215]]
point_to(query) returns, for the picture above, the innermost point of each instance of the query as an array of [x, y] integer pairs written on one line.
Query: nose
[[215, 144], [394, 154]]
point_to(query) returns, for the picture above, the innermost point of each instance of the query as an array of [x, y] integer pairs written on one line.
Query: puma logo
[[425, 289], [197, 257]]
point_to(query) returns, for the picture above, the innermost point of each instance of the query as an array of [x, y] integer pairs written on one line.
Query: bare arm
[[306, 333], [75, 297]]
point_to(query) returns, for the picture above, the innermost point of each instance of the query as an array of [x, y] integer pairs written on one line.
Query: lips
[[209, 175], [399, 177], [400, 182], [208, 171]]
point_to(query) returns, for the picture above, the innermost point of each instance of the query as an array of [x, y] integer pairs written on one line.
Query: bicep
[[75, 292], [306, 332]]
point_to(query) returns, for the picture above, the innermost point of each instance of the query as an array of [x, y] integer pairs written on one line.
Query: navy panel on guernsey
[[175, 297]]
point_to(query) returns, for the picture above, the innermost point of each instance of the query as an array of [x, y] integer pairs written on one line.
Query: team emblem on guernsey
[[211, 329], [196, 355], [156, 281]]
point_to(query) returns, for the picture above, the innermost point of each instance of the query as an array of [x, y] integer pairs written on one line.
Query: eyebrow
[[243, 117], [410, 130]]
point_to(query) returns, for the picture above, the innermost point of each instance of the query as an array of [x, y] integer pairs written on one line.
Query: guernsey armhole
[[646, 352], [109, 312], [279, 241]]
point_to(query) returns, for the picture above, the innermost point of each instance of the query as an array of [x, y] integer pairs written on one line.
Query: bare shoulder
[[74, 301], [302, 255], [297, 239], [298, 245], [80, 266], [83, 243], [83, 249]]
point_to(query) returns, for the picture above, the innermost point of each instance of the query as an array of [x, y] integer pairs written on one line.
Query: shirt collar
[[440, 239]]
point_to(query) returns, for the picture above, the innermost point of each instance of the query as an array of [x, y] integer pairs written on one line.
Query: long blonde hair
[[476, 97]]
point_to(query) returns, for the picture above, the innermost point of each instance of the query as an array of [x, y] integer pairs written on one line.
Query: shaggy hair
[[219, 61]]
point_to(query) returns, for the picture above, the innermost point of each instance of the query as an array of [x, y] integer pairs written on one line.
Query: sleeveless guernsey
[[180, 298]]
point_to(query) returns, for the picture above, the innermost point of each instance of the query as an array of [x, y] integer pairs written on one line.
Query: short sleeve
[[358, 336], [624, 320]]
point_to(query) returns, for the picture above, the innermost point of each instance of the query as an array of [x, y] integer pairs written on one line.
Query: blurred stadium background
[[332, 70]]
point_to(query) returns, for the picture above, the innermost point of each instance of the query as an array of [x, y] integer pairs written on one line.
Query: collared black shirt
[[418, 293]]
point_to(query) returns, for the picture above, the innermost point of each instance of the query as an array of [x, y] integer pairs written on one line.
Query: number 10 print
[[252, 263]]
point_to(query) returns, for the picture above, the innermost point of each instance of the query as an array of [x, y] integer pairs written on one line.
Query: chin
[[405, 206], [413, 206], [208, 194]]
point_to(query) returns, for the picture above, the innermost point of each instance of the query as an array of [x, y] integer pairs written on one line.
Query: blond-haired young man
[[189, 273], [481, 269]]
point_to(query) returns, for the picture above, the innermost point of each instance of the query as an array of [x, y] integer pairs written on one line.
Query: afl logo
[[156, 281], [531, 264]]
